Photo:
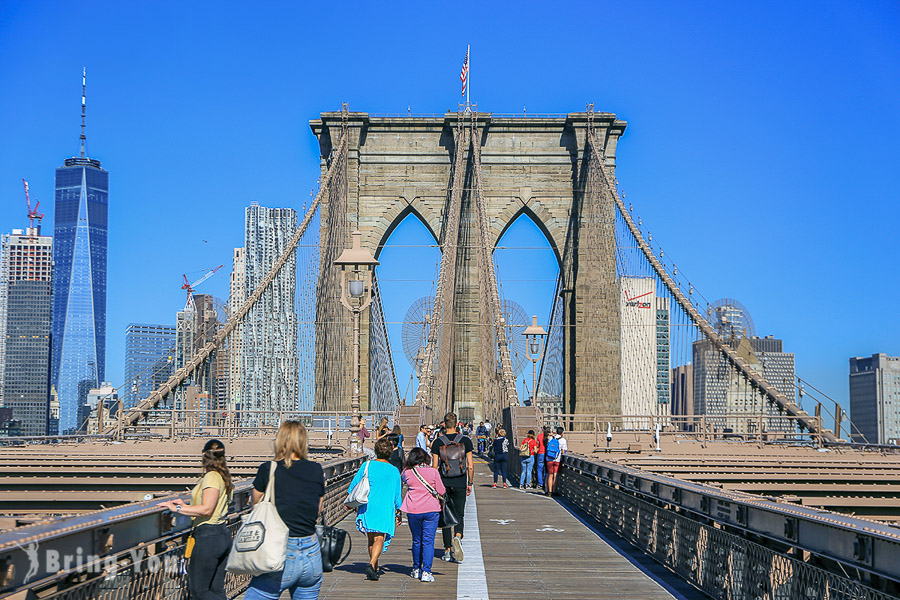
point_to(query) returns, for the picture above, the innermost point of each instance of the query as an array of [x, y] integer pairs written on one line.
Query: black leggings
[[457, 498], [500, 467], [206, 566]]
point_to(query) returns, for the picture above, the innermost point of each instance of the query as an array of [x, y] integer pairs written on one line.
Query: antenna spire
[[83, 93]]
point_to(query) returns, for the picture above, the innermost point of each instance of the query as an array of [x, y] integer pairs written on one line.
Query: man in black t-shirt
[[398, 457], [457, 474]]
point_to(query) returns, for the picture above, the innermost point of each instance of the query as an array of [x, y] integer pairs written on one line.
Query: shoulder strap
[[444, 439], [458, 437], [269, 496], [427, 485]]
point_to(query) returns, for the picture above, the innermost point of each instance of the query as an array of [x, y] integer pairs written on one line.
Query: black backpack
[[453, 456]]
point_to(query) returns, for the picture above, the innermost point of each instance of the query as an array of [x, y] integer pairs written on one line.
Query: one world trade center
[[79, 282]]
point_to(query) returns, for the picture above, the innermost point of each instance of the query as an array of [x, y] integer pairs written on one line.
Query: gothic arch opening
[[410, 261], [539, 225], [527, 272]]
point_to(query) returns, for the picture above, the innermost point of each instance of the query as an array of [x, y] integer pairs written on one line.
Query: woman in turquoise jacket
[[378, 517]]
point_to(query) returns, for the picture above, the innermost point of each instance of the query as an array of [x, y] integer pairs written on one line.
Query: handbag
[[331, 541], [359, 495], [260, 545], [448, 518]]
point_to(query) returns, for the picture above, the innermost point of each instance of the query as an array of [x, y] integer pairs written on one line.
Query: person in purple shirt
[[423, 509]]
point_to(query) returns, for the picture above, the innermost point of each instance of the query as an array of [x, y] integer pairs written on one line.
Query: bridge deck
[[525, 544]]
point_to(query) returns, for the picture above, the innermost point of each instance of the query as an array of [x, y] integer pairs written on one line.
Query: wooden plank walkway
[[531, 546]]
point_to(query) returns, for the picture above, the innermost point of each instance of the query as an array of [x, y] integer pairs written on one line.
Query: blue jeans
[[423, 528], [539, 459], [302, 573], [500, 464], [525, 477]]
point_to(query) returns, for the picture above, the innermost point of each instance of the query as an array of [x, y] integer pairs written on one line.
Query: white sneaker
[[447, 557], [457, 549], [414, 574], [427, 577]]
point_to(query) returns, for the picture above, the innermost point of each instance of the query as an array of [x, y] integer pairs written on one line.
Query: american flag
[[464, 74]]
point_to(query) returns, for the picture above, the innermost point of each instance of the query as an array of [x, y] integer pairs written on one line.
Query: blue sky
[[759, 151]]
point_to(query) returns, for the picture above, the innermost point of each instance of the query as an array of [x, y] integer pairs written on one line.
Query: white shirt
[[487, 424], [563, 447], [422, 442]]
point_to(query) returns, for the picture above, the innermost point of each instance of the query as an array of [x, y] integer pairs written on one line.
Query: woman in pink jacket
[[422, 508]]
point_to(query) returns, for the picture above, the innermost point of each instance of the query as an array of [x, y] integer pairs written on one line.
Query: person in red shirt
[[542, 438], [527, 449]]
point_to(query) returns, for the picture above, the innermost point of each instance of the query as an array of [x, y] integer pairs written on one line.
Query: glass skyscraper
[[144, 346], [79, 284]]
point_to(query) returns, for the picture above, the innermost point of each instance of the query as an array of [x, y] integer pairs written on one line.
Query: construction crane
[[191, 287], [32, 213]]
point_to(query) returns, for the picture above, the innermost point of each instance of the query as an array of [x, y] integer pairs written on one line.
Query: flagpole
[[468, 74]]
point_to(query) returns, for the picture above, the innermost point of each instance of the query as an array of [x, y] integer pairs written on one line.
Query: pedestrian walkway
[[525, 545]]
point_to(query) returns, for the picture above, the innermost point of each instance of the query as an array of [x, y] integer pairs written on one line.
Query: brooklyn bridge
[[759, 499]]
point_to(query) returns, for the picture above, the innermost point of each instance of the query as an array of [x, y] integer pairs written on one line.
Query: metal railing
[[131, 551], [737, 545], [180, 423], [749, 427]]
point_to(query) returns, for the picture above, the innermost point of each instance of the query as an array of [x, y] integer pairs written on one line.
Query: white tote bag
[[359, 495], [260, 545]]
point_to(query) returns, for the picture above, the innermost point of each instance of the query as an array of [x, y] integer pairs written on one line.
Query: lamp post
[[534, 340], [357, 270]]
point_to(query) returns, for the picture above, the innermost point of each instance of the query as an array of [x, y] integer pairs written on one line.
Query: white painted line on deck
[[471, 580]]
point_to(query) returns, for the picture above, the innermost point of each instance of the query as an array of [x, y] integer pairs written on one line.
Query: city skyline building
[[80, 231], [875, 399], [161, 371], [718, 391], [195, 326], [663, 353], [211, 317], [145, 344], [269, 369], [53, 417], [236, 294], [101, 409], [26, 288], [683, 396], [643, 349], [777, 365]]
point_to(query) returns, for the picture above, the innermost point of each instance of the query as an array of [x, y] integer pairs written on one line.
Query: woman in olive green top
[[212, 540]]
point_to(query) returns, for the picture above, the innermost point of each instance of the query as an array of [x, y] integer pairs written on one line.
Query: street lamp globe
[[534, 336], [357, 267]]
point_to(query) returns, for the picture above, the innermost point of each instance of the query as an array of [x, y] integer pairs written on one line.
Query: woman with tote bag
[[299, 490]]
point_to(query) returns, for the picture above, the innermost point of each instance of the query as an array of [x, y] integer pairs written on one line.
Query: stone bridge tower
[[399, 165]]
